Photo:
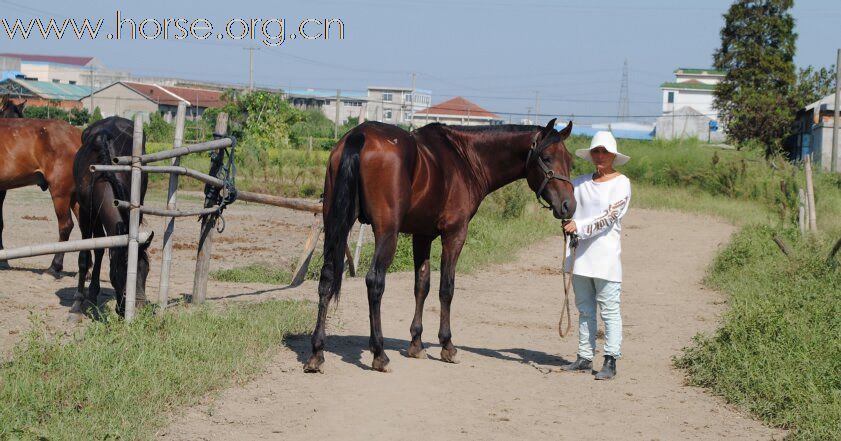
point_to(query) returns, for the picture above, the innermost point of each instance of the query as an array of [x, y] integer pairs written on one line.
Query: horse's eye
[[546, 158]]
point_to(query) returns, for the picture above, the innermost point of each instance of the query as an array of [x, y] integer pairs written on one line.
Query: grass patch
[[777, 352], [120, 381], [255, 273]]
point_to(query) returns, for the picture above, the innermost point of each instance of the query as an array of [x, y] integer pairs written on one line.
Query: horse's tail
[[342, 214]]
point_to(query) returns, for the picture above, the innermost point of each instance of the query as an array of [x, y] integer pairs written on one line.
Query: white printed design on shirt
[[610, 216]]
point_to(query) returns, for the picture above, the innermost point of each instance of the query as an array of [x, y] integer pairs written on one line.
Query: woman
[[602, 199]]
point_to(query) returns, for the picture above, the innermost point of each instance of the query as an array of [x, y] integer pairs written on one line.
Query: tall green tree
[[757, 52]]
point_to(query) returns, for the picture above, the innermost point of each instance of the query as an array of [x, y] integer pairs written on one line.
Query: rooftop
[[458, 106], [699, 71], [49, 90], [57, 59], [326, 94]]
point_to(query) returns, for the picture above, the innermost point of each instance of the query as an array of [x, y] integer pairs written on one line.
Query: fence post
[[801, 210], [358, 250], [163, 296], [134, 218], [810, 194], [300, 273], [208, 230]]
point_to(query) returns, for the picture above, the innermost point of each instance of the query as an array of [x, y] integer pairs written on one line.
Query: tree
[[757, 53], [97, 115], [812, 85], [79, 117]]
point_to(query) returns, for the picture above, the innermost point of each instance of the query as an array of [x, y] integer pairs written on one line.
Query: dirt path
[[504, 325]]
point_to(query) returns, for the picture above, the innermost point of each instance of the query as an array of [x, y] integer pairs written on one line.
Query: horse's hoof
[[314, 365], [52, 272], [75, 317], [4, 265], [449, 355], [380, 364], [417, 352]]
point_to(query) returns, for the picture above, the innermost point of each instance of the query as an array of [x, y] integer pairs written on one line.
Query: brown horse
[[429, 183], [40, 152]]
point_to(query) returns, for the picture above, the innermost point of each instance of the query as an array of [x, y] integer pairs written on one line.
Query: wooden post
[[351, 268], [810, 194], [163, 295], [801, 210], [134, 218], [300, 273], [208, 230]]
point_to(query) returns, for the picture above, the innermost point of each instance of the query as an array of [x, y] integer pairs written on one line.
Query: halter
[[548, 174]]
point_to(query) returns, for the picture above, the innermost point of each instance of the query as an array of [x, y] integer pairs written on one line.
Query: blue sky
[[498, 53]]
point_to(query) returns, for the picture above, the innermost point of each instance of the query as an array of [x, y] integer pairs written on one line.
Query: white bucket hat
[[603, 139]]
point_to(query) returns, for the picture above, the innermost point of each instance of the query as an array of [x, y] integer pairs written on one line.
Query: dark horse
[[40, 152], [98, 217], [9, 109], [429, 183]]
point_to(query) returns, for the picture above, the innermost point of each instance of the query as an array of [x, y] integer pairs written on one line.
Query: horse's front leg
[[452, 243]]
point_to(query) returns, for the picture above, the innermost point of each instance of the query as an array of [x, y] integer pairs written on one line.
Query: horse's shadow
[[350, 348]]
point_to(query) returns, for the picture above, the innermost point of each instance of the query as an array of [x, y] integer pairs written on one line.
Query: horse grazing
[[98, 217], [429, 183], [9, 109], [41, 152]]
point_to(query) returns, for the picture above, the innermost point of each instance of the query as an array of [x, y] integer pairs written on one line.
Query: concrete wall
[[822, 146], [119, 100], [687, 124], [700, 100]]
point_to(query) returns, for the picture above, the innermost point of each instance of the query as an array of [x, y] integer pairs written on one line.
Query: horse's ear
[[21, 105], [146, 244], [566, 131], [549, 126]]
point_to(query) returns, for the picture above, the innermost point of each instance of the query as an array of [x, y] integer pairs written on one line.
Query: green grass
[[255, 273], [777, 351], [121, 381]]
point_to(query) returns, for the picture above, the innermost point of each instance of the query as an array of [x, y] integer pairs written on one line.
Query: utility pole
[[624, 106], [537, 107], [412, 104], [338, 101], [528, 115], [251, 66], [836, 120], [92, 90]]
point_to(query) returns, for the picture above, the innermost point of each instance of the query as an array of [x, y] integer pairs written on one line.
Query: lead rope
[[572, 240]]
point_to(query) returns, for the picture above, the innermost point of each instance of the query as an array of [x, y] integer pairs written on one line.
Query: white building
[[351, 104], [82, 71], [396, 105], [688, 106]]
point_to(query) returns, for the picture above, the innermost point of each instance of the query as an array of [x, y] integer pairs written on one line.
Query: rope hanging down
[[226, 171], [572, 240]]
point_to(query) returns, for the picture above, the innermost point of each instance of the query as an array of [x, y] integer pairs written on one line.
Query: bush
[[158, 130]]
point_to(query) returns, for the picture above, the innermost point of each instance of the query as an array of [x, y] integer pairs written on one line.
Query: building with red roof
[[456, 111], [125, 98]]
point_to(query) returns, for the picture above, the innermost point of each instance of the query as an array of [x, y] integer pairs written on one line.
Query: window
[[387, 115], [407, 97], [56, 81], [671, 99], [72, 82], [387, 96]]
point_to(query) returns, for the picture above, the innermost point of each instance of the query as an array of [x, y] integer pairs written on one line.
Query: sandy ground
[[507, 385]]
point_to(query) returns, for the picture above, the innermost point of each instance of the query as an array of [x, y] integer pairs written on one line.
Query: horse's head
[[9, 109], [548, 167], [119, 265]]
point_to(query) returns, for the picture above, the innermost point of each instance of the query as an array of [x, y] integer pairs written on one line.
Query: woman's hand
[[570, 227]]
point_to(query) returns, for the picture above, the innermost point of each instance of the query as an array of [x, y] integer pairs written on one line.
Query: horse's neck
[[504, 162]]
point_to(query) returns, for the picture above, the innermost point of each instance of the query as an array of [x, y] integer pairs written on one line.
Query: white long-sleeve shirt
[[598, 220]]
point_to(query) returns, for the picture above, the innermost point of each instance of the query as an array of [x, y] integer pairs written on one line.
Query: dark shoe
[[580, 364], [608, 369]]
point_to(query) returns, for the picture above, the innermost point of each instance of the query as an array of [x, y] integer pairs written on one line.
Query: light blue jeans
[[589, 292]]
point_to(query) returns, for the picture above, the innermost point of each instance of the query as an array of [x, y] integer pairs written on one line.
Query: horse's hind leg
[[420, 247], [384, 249], [62, 204], [3, 263], [452, 244]]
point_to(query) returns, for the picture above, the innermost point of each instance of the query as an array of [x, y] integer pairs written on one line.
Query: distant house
[[352, 104], [688, 106], [82, 70], [125, 98], [813, 133], [42, 93], [396, 105], [456, 111]]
